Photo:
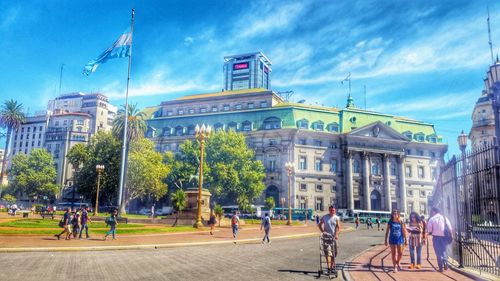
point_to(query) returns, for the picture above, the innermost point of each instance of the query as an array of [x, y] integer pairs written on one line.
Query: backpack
[[447, 232], [266, 222], [234, 220], [110, 220], [61, 223]]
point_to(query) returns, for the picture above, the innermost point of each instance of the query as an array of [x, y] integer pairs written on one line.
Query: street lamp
[[289, 168], [100, 170], [201, 133], [282, 207], [462, 144]]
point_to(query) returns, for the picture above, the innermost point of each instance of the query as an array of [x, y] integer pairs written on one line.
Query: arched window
[[150, 133], [432, 138], [333, 127], [408, 134], [190, 130], [376, 168], [167, 131], [246, 126], [419, 137], [179, 131], [218, 127], [272, 123], [232, 126], [355, 166], [318, 126], [303, 124]]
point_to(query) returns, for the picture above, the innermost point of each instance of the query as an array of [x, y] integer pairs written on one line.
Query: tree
[[34, 174], [146, 172], [103, 149], [179, 201], [9, 199], [270, 204], [11, 117], [219, 212], [244, 204], [78, 155], [136, 125]]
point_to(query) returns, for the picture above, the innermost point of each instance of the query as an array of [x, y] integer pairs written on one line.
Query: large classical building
[[69, 119], [353, 158]]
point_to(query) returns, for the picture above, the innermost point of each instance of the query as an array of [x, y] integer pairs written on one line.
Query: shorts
[[330, 247]]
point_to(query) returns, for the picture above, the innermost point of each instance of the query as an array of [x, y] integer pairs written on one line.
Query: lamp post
[[289, 168], [282, 213], [462, 144], [100, 170], [201, 133]]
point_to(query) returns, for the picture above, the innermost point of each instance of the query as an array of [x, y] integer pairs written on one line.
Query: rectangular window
[[423, 194], [433, 154], [225, 107], [214, 108], [39, 143], [272, 165], [302, 141], [41, 128], [423, 208], [319, 188], [408, 171], [22, 130], [434, 173], [250, 105], [237, 107], [333, 166], [28, 129], [302, 163], [169, 113], [420, 152], [410, 207], [21, 137], [272, 142], [421, 173], [409, 193], [65, 122], [34, 129], [40, 135], [318, 164], [317, 143], [191, 111], [180, 111], [393, 169], [57, 123], [303, 187], [333, 145], [333, 188], [319, 204], [263, 104], [203, 110]]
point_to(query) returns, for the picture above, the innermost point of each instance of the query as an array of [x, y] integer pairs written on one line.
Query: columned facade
[[402, 185], [387, 183], [366, 181], [349, 186]]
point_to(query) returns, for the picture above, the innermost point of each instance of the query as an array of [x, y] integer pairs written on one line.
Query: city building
[[483, 118], [70, 119], [247, 71], [353, 158]]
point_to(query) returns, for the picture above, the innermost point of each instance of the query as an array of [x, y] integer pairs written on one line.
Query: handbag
[[61, 223]]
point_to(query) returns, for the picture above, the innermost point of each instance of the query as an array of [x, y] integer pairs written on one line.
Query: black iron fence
[[468, 192]]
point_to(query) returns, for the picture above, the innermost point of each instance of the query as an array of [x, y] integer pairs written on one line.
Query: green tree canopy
[[146, 172], [11, 117], [219, 212], [136, 125], [179, 202], [103, 149], [34, 174], [270, 204], [9, 198], [78, 155]]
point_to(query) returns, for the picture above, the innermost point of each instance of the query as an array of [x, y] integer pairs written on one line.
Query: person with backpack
[[84, 220], [377, 221], [235, 222], [440, 228], [396, 232], [65, 224], [112, 221], [266, 225], [75, 223]]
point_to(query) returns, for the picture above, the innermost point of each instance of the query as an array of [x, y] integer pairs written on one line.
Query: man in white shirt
[[330, 224], [436, 228]]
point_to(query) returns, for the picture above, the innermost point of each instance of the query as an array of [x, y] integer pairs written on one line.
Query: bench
[[122, 219], [48, 214]]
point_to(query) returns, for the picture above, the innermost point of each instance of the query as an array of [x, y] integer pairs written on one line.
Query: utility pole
[[60, 78]]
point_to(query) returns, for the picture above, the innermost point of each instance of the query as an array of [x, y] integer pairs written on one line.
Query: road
[[292, 259]]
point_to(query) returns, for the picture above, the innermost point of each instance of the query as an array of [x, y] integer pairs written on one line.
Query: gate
[[467, 192]]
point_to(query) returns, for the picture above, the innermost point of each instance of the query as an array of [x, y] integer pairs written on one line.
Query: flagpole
[[124, 148]]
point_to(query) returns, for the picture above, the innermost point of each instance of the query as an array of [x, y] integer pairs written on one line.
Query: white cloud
[[188, 40]]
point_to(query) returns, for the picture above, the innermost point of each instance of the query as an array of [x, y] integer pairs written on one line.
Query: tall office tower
[[247, 71]]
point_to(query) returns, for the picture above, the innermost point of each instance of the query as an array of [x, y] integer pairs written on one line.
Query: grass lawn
[[273, 222], [38, 226]]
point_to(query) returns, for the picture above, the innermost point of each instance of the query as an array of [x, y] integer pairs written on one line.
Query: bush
[[38, 207]]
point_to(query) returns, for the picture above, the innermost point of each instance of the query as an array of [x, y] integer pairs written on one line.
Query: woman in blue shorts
[[396, 232]]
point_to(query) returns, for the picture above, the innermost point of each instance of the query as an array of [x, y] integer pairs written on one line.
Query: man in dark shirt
[[65, 224], [85, 219]]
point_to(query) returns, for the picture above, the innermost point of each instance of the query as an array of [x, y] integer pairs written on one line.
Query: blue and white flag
[[119, 49]]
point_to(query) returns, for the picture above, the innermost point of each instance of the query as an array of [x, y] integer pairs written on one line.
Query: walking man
[[437, 226], [377, 221], [329, 226], [112, 221], [235, 222], [64, 223], [357, 222], [84, 220], [266, 225]]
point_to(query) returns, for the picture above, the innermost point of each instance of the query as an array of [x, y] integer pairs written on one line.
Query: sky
[[419, 59]]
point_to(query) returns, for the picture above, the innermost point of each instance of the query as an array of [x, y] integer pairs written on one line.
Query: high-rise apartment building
[[247, 71]]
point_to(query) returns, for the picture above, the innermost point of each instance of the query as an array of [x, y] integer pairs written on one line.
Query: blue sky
[[421, 59]]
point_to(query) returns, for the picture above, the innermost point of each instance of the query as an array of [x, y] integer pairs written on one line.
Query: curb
[[345, 271], [150, 246], [470, 272]]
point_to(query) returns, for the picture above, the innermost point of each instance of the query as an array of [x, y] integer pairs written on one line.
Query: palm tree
[[179, 201], [219, 212], [11, 117], [136, 124]]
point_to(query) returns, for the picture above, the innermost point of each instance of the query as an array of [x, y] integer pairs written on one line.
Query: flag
[[348, 78], [119, 49]]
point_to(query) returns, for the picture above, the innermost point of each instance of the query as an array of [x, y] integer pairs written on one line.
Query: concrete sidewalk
[[250, 233], [376, 264]]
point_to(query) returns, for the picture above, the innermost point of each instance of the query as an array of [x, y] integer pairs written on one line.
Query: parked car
[[145, 211]]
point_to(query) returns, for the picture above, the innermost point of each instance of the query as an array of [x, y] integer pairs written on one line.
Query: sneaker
[[395, 270], [418, 266], [105, 237], [411, 266], [445, 266], [88, 238], [58, 237]]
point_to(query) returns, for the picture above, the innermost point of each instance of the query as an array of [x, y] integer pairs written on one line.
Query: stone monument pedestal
[[191, 210]]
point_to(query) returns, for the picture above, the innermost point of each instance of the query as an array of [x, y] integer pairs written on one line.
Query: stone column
[[366, 182], [387, 182], [402, 185], [348, 177]]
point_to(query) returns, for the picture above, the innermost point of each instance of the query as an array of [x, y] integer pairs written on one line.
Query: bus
[[297, 214], [363, 215], [230, 209]]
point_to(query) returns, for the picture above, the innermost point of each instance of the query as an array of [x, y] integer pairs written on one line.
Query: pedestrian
[[317, 219], [112, 221], [211, 222], [84, 220], [415, 241], [153, 211], [54, 209], [369, 223], [75, 223], [65, 224], [377, 221], [396, 233], [266, 225], [235, 222], [357, 222], [440, 228], [330, 229]]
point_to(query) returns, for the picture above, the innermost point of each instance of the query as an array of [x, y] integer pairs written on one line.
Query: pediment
[[378, 130]]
